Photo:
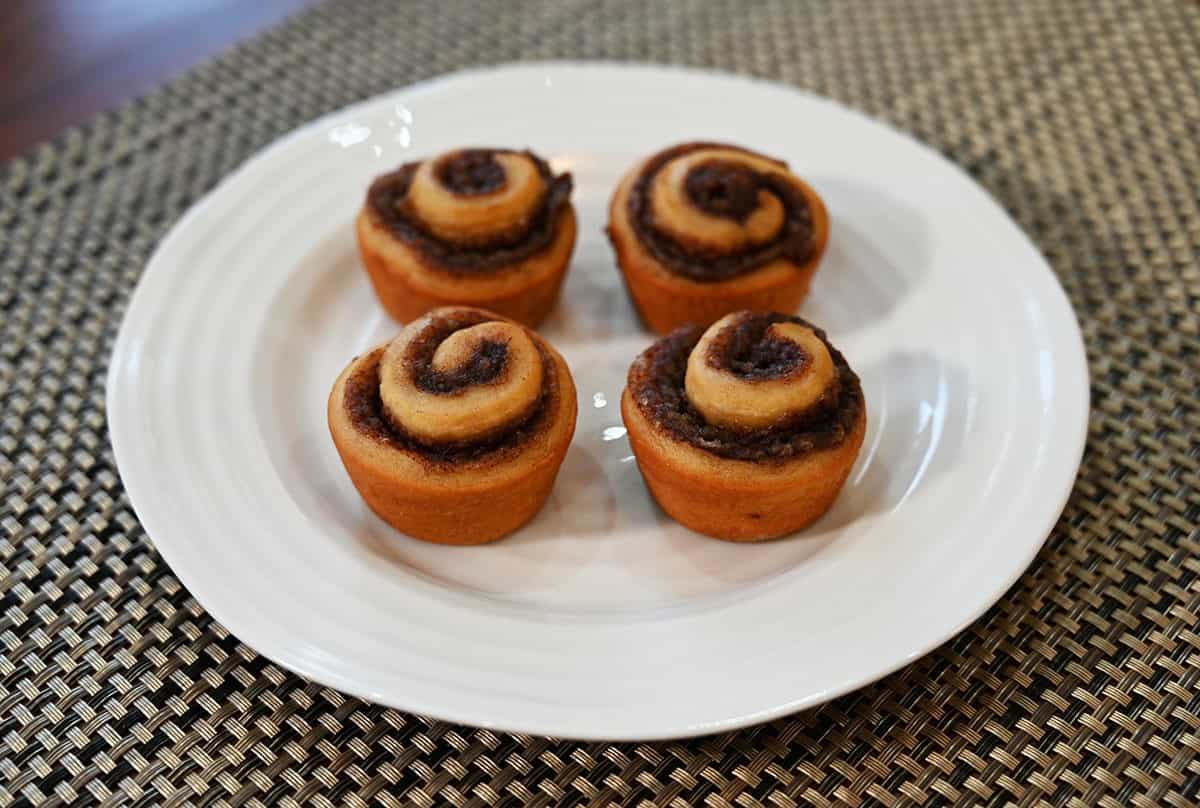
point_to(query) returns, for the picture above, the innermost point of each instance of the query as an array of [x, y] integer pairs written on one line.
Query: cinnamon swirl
[[746, 430], [454, 431], [704, 229], [481, 227]]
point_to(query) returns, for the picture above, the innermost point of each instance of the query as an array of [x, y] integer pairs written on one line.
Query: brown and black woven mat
[[1080, 688]]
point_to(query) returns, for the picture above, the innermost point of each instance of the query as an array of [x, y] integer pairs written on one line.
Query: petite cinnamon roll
[[454, 431], [479, 227], [747, 430], [704, 229]]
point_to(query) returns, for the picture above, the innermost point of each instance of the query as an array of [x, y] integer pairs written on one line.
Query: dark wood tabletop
[[63, 61]]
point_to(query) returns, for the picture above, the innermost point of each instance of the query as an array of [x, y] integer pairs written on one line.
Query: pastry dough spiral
[[746, 430], [710, 212], [463, 410], [472, 384], [478, 196], [492, 228], [777, 378], [701, 230]]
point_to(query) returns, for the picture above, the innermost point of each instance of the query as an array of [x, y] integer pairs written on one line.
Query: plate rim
[[122, 433]]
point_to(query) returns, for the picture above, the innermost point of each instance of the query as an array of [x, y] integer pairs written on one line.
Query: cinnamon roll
[[704, 229], [454, 431], [746, 430], [479, 227]]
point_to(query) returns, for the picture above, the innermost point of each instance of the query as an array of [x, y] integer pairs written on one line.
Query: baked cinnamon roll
[[747, 430], [704, 229], [454, 431], [481, 227]]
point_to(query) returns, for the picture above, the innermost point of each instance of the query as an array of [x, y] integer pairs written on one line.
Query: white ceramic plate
[[602, 618]]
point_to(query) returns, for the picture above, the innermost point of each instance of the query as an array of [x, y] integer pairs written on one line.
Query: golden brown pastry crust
[[732, 230], [731, 482], [464, 488], [479, 227]]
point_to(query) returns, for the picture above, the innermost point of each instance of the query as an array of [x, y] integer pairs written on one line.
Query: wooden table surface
[[62, 61]]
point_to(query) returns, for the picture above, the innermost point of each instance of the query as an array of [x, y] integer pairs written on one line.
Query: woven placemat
[[1081, 687]]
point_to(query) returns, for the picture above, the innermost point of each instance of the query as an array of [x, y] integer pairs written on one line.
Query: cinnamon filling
[[487, 365], [469, 172], [369, 416], [725, 189], [656, 381], [746, 351]]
